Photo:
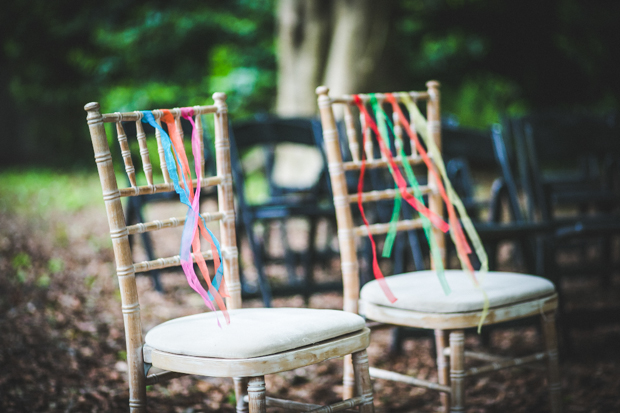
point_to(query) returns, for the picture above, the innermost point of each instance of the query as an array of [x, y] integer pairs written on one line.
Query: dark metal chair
[[283, 149], [567, 172]]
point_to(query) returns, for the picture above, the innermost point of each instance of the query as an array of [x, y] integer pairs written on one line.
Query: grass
[[36, 192]]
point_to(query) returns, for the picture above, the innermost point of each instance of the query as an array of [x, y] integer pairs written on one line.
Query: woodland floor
[[62, 340]]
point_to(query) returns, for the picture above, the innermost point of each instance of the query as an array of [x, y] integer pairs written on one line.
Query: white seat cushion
[[252, 332], [421, 291]]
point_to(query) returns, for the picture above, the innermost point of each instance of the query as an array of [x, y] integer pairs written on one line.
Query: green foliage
[[231, 398], [55, 265], [492, 57], [43, 281], [124, 54], [21, 263], [37, 191], [496, 57]]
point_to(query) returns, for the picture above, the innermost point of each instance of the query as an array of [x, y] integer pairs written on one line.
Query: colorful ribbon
[[392, 231], [421, 125], [174, 153], [402, 187], [382, 119]]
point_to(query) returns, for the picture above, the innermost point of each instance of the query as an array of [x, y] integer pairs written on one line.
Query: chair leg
[[137, 384], [363, 385], [551, 346], [240, 393], [309, 259], [443, 368], [256, 395], [348, 380], [137, 397], [457, 371]]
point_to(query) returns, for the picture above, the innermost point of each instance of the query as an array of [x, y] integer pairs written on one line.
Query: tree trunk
[[357, 40], [336, 43], [302, 37]]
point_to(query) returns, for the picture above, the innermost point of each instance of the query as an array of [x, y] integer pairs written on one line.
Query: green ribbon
[[382, 121], [420, 123], [383, 131]]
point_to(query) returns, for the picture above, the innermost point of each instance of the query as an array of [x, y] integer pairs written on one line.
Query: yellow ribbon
[[420, 123]]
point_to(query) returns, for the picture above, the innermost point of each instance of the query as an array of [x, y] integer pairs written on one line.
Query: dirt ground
[[62, 342]]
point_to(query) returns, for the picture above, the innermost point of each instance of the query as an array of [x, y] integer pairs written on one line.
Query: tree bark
[[302, 37], [336, 43], [357, 40]]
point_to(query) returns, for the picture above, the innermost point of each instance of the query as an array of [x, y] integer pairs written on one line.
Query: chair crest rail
[[157, 114]]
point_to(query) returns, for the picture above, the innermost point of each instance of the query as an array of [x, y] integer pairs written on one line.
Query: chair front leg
[[551, 346], [256, 395], [457, 371], [240, 393], [348, 379], [443, 368], [363, 385]]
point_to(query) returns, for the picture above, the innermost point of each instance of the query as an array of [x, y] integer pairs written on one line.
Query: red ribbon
[[402, 186], [186, 177], [460, 241]]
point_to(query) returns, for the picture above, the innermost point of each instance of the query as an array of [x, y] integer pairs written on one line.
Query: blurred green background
[[492, 57]]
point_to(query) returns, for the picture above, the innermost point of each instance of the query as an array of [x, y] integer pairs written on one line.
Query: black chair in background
[[281, 174], [566, 169], [494, 215]]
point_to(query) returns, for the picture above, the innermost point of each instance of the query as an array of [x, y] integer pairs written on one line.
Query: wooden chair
[[421, 303], [257, 341]]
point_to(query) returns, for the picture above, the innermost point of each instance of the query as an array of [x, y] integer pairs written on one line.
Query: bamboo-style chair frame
[[451, 374], [149, 365]]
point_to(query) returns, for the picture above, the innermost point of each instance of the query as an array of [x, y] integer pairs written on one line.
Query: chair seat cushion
[[421, 291], [252, 332]]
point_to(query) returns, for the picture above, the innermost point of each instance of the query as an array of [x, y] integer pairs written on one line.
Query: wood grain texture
[[259, 366], [241, 393], [450, 373], [164, 366], [256, 394], [448, 321], [457, 371], [443, 367], [173, 222], [124, 261], [144, 152]]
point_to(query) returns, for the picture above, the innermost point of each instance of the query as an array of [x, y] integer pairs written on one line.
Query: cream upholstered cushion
[[252, 332], [421, 291]]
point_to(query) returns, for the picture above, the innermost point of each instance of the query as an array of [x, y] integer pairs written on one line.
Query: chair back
[[401, 154], [562, 156], [114, 190], [280, 143]]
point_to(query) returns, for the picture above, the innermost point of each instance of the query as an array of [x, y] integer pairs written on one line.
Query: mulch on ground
[[62, 341]]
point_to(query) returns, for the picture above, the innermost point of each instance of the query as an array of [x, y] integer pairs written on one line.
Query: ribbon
[[392, 231], [402, 186], [375, 263], [437, 221], [456, 233], [174, 152], [426, 224], [218, 282], [421, 125]]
